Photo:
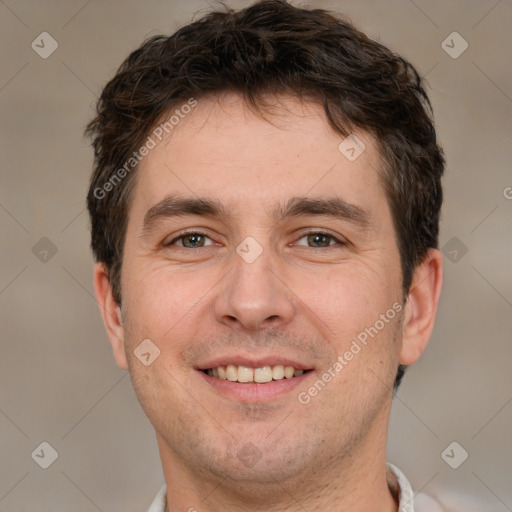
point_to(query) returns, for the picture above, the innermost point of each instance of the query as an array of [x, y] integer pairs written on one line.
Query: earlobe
[[111, 314], [421, 307]]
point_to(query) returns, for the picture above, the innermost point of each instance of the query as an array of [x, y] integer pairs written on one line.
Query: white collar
[[406, 502], [406, 495]]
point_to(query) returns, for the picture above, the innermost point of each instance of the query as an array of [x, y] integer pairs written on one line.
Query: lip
[[254, 392], [253, 362]]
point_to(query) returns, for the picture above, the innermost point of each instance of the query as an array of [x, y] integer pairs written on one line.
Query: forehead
[[222, 149]]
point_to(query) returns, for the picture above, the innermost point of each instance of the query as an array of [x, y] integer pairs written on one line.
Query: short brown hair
[[272, 47]]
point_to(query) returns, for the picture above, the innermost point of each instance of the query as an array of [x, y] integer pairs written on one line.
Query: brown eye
[[319, 240], [193, 241]]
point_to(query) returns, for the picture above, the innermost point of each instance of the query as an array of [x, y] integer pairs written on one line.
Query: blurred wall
[[59, 383]]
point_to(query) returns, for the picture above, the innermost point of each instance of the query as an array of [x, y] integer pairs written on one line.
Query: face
[[256, 248]]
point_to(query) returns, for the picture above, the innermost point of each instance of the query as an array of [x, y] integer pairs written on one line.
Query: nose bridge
[[252, 294]]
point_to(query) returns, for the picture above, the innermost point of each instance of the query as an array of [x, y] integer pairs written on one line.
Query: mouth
[[260, 375], [254, 380]]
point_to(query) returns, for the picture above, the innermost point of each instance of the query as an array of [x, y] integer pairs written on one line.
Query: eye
[[319, 239], [192, 240]]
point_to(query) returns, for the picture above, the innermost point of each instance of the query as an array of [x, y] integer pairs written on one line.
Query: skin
[[303, 298]]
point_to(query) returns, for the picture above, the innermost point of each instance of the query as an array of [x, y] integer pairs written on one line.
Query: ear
[[421, 307], [111, 313]]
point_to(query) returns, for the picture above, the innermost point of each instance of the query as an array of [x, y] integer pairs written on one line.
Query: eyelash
[[184, 235], [324, 233], [303, 235]]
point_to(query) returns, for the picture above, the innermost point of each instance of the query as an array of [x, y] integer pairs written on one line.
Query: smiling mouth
[[261, 375]]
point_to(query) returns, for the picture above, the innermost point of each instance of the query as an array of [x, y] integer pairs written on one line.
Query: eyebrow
[[330, 207], [175, 206]]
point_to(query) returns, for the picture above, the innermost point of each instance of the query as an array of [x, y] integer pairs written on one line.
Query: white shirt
[[406, 503]]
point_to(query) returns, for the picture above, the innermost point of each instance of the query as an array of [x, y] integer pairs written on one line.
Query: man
[[265, 212]]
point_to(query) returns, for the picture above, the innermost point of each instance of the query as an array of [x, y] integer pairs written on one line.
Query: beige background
[[59, 383]]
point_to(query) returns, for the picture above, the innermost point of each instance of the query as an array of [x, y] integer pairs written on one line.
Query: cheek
[[163, 303], [348, 298], [345, 306]]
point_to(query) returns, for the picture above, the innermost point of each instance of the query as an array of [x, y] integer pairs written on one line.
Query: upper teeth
[[263, 374]]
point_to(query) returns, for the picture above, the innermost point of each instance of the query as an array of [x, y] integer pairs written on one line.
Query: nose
[[253, 297]]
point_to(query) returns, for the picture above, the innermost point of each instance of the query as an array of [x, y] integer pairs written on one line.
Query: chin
[[255, 464]]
